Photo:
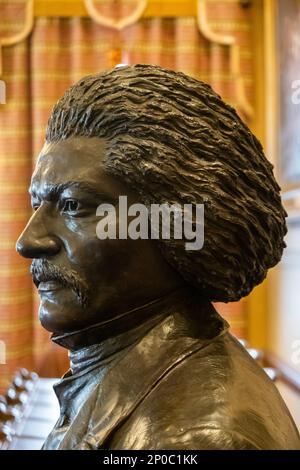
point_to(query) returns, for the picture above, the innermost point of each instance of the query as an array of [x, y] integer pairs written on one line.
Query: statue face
[[68, 184]]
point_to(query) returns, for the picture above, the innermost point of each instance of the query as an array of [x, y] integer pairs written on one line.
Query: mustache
[[43, 271]]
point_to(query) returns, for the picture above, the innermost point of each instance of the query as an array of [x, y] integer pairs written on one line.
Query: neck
[[145, 316]]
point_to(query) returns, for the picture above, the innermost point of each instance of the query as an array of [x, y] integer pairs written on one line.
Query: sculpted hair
[[174, 140]]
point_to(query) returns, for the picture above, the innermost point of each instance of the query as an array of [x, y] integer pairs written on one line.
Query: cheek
[[94, 258], [84, 247], [110, 259]]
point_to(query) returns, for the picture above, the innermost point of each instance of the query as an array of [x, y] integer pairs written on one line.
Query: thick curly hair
[[174, 140]]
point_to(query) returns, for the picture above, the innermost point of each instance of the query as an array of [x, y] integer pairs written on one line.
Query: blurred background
[[249, 51]]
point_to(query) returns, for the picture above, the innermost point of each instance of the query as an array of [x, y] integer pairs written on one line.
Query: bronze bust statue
[[152, 364]]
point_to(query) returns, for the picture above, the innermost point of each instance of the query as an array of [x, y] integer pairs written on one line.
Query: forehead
[[79, 159], [61, 161]]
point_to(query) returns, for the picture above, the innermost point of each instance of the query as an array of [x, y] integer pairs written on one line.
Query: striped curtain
[[36, 72]]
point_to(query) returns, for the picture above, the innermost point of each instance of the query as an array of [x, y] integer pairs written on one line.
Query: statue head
[[156, 136]]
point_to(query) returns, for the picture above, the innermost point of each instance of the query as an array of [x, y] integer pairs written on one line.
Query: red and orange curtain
[[36, 72]]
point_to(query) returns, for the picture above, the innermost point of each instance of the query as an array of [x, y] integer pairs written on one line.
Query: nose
[[36, 241]]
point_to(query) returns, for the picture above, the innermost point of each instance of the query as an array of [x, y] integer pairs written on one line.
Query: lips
[[50, 279], [49, 286]]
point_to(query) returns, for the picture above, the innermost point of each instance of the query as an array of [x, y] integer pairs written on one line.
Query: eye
[[70, 205]]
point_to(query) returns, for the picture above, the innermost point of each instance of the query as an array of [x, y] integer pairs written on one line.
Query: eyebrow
[[53, 191]]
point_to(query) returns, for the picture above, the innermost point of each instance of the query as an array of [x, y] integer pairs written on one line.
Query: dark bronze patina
[[152, 364]]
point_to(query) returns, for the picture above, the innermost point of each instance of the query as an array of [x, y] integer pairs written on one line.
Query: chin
[[54, 320], [61, 312], [50, 321], [59, 319]]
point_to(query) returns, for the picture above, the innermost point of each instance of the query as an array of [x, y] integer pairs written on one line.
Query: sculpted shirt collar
[[107, 351], [134, 322]]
